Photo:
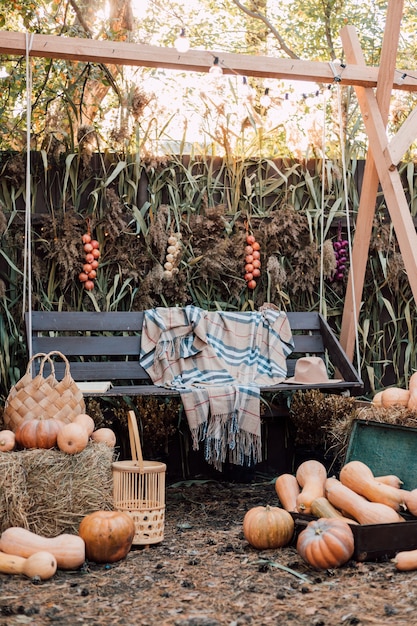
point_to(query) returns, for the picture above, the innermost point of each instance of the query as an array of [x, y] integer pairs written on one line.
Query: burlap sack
[[43, 396]]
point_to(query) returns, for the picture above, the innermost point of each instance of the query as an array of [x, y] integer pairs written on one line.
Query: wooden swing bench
[[104, 348]]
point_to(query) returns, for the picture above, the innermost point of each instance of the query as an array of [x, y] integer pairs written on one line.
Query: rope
[[27, 253], [349, 238], [323, 178]]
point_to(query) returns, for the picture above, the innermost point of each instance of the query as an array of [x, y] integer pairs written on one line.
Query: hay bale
[[49, 492]]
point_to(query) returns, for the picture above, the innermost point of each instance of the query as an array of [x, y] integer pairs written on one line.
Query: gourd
[[359, 477], [311, 476], [40, 564], [86, 421], [412, 386], [108, 535], [326, 543], [390, 479], [72, 438], [287, 490], [39, 432], [267, 527], [377, 399], [68, 550], [104, 435], [7, 440], [354, 505], [411, 501], [406, 560], [395, 396], [321, 507]]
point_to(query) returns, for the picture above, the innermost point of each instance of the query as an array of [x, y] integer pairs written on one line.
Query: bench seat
[[106, 347]]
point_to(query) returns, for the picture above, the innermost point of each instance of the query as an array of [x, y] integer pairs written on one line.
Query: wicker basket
[[139, 489]]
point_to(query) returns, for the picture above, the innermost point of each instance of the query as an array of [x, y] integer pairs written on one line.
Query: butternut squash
[[377, 399], [406, 560], [287, 490], [321, 507], [311, 476], [411, 501], [68, 550], [390, 479], [412, 383], [412, 401], [42, 564], [359, 477], [354, 505]]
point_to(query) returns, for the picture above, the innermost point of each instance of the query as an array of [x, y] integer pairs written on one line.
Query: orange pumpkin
[[7, 440], [72, 438], [108, 535], [40, 432], [326, 543], [86, 421], [104, 435], [268, 527]]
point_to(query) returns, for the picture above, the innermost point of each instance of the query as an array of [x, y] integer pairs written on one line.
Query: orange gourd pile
[[252, 261], [92, 254], [396, 396]]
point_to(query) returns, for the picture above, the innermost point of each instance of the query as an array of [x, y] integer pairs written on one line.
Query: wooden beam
[[389, 178], [122, 53], [366, 210], [405, 136]]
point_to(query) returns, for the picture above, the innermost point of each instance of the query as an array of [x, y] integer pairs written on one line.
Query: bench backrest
[[106, 346]]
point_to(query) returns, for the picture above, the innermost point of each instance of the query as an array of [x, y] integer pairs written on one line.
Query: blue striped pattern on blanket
[[218, 360]]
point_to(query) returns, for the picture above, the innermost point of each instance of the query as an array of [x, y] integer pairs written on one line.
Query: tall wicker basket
[[139, 489]]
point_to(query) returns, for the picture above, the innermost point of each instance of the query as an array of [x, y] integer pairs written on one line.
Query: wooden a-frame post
[[383, 156]]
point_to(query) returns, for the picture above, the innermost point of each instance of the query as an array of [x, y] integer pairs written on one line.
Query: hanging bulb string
[[27, 252]]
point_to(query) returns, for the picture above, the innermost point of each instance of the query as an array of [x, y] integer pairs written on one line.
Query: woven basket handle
[[63, 357], [45, 357], [134, 439]]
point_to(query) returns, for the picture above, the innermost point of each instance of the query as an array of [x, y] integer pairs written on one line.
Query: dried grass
[[49, 492]]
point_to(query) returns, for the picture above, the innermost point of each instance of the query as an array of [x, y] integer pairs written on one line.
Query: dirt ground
[[204, 573]]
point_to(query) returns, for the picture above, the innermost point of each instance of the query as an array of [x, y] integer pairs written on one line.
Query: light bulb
[[265, 100], [182, 43], [401, 79], [3, 72], [215, 69]]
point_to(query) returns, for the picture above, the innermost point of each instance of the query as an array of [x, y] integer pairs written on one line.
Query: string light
[[265, 99], [182, 42], [401, 79], [215, 69]]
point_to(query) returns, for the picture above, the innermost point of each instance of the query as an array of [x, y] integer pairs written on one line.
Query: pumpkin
[[412, 401], [86, 421], [267, 527], [354, 505], [108, 535], [406, 560], [287, 490], [40, 564], [39, 432], [7, 440], [68, 550], [377, 399], [395, 396], [359, 477], [412, 383], [326, 543], [72, 438], [311, 476], [104, 435]]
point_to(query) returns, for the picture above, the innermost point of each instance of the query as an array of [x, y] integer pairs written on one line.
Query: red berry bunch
[[340, 248], [252, 261], [92, 255]]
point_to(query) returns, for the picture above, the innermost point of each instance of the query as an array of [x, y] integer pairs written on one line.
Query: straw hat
[[311, 370]]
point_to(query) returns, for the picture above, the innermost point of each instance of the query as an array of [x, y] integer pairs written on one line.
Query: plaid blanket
[[217, 361]]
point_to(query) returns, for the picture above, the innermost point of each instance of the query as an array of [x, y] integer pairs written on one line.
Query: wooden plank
[[140, 55], [366, 210], [401, 142]]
